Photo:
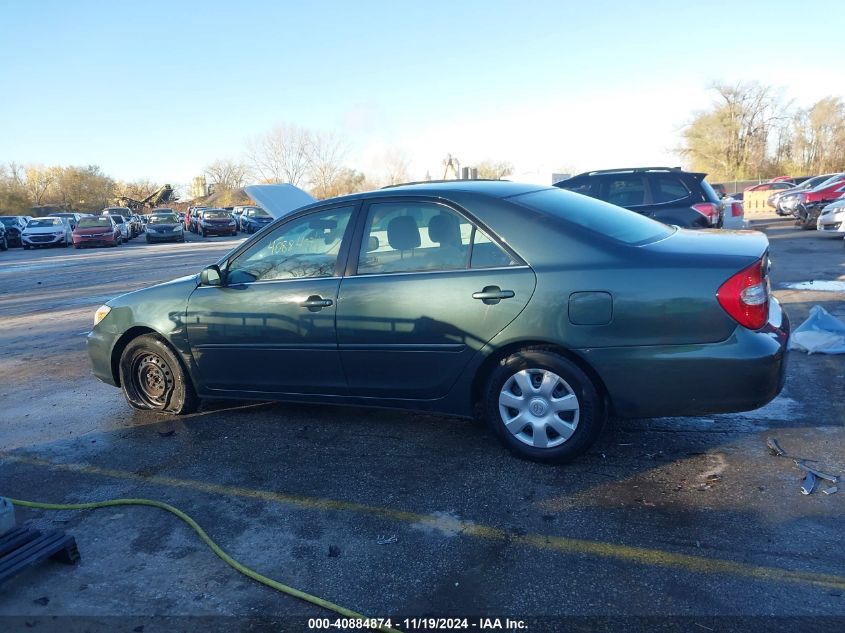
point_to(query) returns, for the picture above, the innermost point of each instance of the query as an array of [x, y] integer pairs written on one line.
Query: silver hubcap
[[539, 408]]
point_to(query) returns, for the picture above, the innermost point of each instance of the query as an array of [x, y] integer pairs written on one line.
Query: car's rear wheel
[[543, 406], [153, 378]]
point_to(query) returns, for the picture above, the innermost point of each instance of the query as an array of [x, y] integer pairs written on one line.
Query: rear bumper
[[742, 373]]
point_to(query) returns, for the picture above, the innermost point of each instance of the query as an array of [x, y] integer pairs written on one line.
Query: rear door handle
[[491, 295], [315, 303]]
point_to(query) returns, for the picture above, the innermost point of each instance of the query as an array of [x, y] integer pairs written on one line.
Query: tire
[[26, 247], [149, 241], [154, 379], [77, 246], [204, 234], [539, 369], [5, 245]]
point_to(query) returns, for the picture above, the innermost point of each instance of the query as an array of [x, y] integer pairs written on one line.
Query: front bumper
[[741, 373], [43, 240], [219, 230], [175, 236], [832, 223]]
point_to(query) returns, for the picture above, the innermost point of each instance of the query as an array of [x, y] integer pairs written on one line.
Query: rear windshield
[[37, 224], [596, 216], [94, 223], [216, 215]]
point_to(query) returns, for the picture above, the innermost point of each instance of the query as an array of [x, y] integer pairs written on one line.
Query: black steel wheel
[[153, 378]]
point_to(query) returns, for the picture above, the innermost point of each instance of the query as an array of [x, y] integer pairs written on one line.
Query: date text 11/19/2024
[[418, 624]]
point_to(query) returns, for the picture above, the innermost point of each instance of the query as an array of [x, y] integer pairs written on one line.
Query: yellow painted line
[[599, 549]]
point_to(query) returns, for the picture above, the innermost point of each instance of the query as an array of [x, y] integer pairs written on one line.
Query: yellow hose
[[246, 571]]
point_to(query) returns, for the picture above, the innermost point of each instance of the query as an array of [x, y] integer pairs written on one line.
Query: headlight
[[101, 313]]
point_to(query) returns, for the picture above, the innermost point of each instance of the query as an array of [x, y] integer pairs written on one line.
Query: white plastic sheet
[[821, 333]]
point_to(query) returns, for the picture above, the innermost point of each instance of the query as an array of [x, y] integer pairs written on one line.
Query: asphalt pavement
[[686, 523]]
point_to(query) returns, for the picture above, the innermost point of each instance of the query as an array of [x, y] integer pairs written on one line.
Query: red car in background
[[96, 231], [810, 203]]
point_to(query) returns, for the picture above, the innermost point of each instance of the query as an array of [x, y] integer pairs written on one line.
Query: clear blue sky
[[157, 90]]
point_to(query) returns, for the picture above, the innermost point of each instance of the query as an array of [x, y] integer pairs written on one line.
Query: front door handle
[[491, 295], [315, 303]]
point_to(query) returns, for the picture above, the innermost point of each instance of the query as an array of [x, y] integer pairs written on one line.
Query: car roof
[[436, 188]]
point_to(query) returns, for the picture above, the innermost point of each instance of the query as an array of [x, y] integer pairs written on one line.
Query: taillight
[[710, 210], [745, 296], [736, 209]]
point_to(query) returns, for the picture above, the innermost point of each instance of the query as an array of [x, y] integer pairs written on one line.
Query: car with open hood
[[542, 310]]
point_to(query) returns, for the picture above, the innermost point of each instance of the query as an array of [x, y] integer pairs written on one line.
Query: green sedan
[[542, 310]]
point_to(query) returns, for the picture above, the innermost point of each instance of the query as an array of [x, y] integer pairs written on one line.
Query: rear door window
[[624, 190]]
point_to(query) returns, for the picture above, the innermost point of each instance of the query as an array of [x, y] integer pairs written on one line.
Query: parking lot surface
[[396, 514]]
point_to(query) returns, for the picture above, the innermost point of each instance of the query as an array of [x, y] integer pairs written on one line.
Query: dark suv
[[667, 194]]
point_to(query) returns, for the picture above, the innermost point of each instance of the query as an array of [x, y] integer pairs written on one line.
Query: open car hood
[[279, 199]]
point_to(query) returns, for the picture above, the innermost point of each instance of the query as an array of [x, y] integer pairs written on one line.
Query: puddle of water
[[823, 286]]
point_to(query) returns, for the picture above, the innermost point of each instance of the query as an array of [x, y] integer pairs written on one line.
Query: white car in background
[[832, 218], [47, 231], [733, 217]]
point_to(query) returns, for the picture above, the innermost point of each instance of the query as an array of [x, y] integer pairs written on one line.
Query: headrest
[[403, 234], [445, 229]]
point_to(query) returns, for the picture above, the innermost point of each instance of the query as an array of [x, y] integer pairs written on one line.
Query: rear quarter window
[[595, 216], [666, 188]]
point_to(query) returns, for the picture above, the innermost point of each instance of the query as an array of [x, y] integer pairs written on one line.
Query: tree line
[[752, 132], [77, 188]]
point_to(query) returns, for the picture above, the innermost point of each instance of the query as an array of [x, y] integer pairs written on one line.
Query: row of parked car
[[816, 202], [216, 221], [114, 226]]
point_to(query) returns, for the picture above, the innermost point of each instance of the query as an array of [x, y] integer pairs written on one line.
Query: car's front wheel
[[153, 378], [543, 406]]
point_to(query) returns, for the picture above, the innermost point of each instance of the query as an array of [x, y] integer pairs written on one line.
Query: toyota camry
[[542, 310]]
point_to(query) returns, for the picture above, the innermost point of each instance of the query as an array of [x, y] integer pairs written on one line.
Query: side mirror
[[372, 244], [211, 276]]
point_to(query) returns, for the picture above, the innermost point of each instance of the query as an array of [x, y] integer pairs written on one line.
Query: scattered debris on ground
[[811, 474]]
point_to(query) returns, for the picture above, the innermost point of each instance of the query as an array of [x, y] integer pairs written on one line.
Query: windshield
[[260, 213], [164, 218], [594, 215], [216, 215], [9, 221], [45, 222], [118, 219], [94, 223]]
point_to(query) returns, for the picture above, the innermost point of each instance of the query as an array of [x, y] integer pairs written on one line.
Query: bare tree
[[226, 174], [494, 169], [38, 180], [281, 155], [819, 137], [396, 166], [325, 163], [136, 190], [731, 140]]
